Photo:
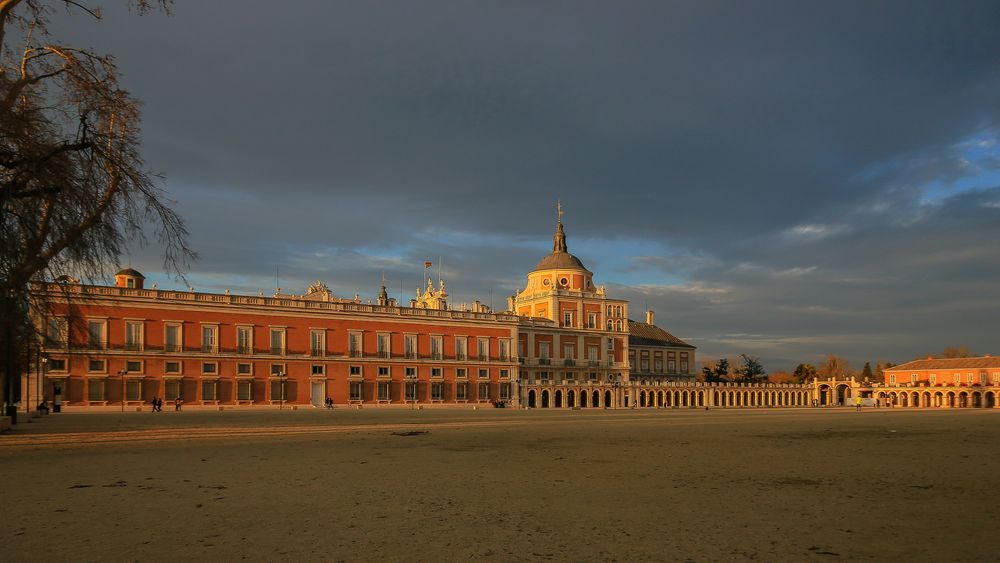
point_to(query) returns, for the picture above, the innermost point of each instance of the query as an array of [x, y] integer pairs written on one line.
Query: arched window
[[610, 325]]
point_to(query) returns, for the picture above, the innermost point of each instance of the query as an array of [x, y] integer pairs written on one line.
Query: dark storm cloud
[[778, 156]]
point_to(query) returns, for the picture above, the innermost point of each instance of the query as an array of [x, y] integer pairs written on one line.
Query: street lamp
[[281, 378], [122, 373], [41, 380], [616, 383]]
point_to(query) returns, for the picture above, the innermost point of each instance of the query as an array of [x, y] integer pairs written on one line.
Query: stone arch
[[926, 399], [558, 399], [904, 399], [571, 398], [938, 399], [607, 399], [963, 399], [915, 399], [531, 399], [659, 398], [991, 400], [701, 398], [949, 399], [977, 399], [843, 394], [595, 399], [545, 398]]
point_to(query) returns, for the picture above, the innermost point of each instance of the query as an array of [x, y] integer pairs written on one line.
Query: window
[[354, 345], [671, 365], [96, 334], [658, 365], [96, 366], [461, 391], [383, 345], [209, 338], [133, 390], [171, 390], [892, 379], [278, 391], [611, 325], [933, 378], [383, 391], [318, 369], [383, 371], [543, 350], [55, 334], [437, 344], [609, 311], [644, 364], [684, 362], [569, 376], [543, 375], [505, 391], [504, 350], [411, 391], [461, 373], [208, 391], [593, 376], [484, 391], [354, 371], [244, 340], [569, 353], [134, 366], [244, 391], [317, 342], [133, 335], [278, 370], [410, 346], [130, 283], [355, 391], [591, 320], [505, 374], [592, 354], [209, 368], [567, 318], [244, 369], [483, 349], [461, 348], [968, 378], [437, 391], [172, 337], [411, 373], [57, 364], [95, 390], [435, 372], [484, 374], [172, 367], [277, 341]]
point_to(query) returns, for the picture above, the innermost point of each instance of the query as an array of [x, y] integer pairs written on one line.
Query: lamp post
[[122, 373], [281, 378], [616, 383], [41, 380]]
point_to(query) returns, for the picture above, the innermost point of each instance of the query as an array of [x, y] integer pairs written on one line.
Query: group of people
[[328, 402], [158, 404]]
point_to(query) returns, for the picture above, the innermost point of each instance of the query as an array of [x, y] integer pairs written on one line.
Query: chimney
[[649, 317]]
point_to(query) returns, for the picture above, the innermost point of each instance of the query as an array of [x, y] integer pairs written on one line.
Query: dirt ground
[[503, 485]]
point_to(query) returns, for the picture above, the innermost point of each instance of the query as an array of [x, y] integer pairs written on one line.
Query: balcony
[[277, 351], [411, 355], [544, 361], [569, 362], [133, 346], [593, 363], [460, 356], [383, 354], [209, 348], [356, 354], [172, 348], [483, 358], [316, 352], [435, 355]]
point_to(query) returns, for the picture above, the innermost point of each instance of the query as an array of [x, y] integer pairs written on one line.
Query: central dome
[[560, 259]]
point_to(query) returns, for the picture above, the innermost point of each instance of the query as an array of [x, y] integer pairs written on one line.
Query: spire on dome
[[559, 240]]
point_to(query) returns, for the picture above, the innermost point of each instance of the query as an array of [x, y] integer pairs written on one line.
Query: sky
[[782, 179]]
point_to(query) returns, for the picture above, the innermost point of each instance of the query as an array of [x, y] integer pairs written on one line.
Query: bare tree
[[836, 367], [74, 190]]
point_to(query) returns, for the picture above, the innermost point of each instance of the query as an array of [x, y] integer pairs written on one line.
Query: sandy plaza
[[502, 485]]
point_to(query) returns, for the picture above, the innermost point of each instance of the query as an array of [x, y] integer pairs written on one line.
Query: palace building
[[563, 342]]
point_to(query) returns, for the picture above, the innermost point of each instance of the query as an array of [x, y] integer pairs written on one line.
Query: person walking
[[857, 403], [155, 401]]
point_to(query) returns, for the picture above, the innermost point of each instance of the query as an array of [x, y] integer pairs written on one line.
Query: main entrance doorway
[[318, 393]]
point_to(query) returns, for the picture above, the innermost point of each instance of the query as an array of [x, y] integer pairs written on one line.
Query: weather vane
[[559, 211]]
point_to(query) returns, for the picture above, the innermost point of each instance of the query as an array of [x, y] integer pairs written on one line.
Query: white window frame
[[210, 339], [177, 346], [244, 347], [102, 344], [282, 347]]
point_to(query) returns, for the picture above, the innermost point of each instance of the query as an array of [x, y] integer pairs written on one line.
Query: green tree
[[718, 373], [74, 190], [804, 372], [750, 370], [866, 372]]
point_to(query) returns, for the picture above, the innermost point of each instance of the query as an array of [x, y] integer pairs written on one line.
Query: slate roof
[[642, 334], [985, 362], [130, 272]]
